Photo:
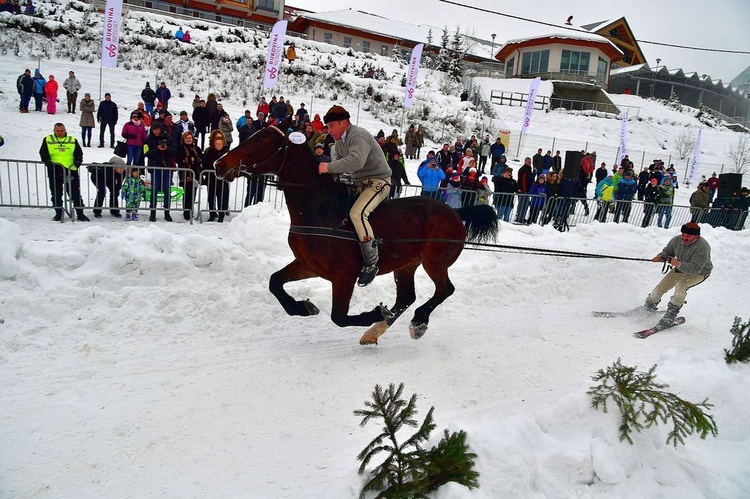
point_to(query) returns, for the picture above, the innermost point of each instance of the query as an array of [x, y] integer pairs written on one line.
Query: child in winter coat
[[484, 193], [539, 197], [453, 192], [50, 92], [134, 132], [38, 92], [133, 192]]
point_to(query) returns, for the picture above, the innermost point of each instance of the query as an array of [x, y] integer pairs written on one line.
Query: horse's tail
[[480, 221]]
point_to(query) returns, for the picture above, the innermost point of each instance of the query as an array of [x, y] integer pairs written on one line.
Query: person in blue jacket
[[430, 174], [38, 91], [539, 193], [627, 188], [163, 95]]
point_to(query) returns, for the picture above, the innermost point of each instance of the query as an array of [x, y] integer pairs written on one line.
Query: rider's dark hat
[[336, 113]]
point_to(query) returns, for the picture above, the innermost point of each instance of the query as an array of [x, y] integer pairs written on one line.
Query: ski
[[638, 311], [648, 332]]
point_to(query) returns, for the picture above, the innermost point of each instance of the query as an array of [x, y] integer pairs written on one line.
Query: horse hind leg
[[295, 271], [405, 296], [443, 289]]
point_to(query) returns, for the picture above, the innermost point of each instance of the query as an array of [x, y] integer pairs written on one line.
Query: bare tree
[[739, 155], [685, 142]]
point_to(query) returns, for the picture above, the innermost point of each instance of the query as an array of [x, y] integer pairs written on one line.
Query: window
[[347, 42], [535, 62], [509, 67], [328, 37], [266, 5], [601, 71], [366, 46], [384, 50], [573, 61]]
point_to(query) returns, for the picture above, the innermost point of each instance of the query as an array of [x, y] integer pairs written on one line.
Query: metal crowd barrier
[[25, 184]]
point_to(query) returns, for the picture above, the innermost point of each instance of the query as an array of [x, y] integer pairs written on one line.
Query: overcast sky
[[719, 24]]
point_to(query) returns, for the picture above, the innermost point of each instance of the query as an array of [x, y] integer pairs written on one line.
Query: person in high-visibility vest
[[62, 155]]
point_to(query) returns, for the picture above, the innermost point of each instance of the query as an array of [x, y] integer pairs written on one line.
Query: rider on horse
[[358, 153]]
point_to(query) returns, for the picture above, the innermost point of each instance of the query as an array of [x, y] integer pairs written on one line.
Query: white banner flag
[[275, 53], [696, 156], [411, 77], [111, 33], [530, 103], [623, 149]]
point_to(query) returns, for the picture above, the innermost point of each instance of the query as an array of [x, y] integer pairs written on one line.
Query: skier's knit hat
[[691, 228]]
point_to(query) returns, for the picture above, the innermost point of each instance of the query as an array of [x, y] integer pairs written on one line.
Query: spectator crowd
[[469, 171]]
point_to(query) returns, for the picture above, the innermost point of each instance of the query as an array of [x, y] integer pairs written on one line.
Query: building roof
[[570, 37], [618, 32], [381, 28], [742, 81]]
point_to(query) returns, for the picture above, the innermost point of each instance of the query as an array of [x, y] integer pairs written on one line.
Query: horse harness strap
[[323, 231]]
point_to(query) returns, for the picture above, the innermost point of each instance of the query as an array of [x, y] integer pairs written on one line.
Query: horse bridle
[[284, 147]]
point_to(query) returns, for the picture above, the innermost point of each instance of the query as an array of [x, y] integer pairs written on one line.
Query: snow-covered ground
[[143, 360]]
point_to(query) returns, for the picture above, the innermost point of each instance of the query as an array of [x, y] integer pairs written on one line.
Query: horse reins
[[242, 168]]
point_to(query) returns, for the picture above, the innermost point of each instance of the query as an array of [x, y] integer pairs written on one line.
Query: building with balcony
[[571, 56], [248, 13]]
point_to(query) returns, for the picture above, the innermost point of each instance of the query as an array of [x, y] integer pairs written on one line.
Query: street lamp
[[656, 75], [492, 53]]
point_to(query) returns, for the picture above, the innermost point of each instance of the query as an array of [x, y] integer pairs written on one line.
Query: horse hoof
[[311, 308], [417, 331], [371, 335]]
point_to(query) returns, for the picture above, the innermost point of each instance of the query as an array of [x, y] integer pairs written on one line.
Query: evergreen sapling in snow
[[740, 343], [644, 403], [409, 470]]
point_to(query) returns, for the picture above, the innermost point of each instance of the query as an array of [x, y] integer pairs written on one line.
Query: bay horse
[[411, 231]]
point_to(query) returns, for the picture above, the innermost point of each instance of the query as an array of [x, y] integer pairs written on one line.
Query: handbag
[[121, 149]]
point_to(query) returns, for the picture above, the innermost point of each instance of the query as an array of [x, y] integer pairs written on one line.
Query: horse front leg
[[405, 296], [295, 271], [343, 288], [443, 289]]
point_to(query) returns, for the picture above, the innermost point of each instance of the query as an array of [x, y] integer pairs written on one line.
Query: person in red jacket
[[317, 124], [713, 184], [262, 107], [50, 92]]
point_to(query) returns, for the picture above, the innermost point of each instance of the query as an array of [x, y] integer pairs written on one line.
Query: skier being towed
[[690, 257]]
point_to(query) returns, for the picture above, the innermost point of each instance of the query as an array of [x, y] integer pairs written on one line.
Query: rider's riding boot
[[370, 265], [669, 316]]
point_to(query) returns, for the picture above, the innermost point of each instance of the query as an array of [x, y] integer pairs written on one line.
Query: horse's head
[[263, 152]]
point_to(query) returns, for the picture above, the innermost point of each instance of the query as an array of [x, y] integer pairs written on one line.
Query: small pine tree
[[455, 68], [740, 343], [410, 470], [643, 403], [444, 55]]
